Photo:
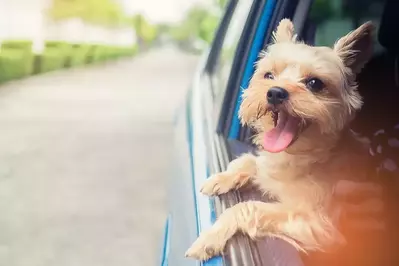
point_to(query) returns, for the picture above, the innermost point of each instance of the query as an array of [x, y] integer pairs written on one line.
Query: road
[[84, 156]]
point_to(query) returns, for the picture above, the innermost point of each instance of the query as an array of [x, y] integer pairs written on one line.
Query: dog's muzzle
[[277, 95]]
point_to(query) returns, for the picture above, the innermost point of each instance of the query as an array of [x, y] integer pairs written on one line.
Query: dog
[[300, 102]]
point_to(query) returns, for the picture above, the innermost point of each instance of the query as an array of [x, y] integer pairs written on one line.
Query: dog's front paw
[[218, 184], [207, 245]]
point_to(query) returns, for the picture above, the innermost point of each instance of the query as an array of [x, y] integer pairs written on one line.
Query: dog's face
[[297, 87]]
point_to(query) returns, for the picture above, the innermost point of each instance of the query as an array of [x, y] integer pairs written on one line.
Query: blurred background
[[64, 33], [88, 94], [89, 90]]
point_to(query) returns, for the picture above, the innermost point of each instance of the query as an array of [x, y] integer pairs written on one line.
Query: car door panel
[[181, 226]]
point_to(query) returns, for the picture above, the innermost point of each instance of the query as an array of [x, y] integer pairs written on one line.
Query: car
[[208, 132]]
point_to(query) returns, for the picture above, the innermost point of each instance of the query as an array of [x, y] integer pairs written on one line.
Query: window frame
[[220, 94], [237, 69], [220, 34]]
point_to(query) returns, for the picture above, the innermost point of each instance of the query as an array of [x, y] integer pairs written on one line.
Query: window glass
[[230, 43], [332, 19]]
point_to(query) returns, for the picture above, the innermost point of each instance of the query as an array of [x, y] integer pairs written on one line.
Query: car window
[[332, 19], [229, 46]]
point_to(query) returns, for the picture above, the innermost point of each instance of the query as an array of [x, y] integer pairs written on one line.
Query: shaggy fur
[[301, 177]]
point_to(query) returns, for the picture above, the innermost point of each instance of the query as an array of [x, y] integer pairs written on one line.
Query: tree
[[145, 32], [208, 27], [221, 3], [104, 12], [199, 24]]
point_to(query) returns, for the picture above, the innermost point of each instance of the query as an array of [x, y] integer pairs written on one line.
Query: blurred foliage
[[208, 27], [321, 11], [16, 59], [54, 56], [104, 12], [324, 10], [197, 28], [221, 3], [107, 13], [146, 32]]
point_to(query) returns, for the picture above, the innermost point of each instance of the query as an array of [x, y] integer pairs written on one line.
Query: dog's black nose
[[276, 95]]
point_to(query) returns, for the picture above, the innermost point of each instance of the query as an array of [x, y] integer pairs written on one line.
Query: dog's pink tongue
[[280, 137]]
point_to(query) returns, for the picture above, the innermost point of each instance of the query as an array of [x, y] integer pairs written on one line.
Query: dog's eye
[[269, 75], [314, 84]]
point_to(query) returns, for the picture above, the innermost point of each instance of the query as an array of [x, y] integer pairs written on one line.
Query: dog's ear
[[356, 48], [285, 32]]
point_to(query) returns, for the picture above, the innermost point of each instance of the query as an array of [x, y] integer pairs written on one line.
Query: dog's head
[[298, 88]]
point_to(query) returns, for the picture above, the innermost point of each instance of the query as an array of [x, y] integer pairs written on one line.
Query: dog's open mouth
[[286, 129]]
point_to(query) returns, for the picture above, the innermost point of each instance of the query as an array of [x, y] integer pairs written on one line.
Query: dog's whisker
[[265, 111], [249, 105], [258, 114]]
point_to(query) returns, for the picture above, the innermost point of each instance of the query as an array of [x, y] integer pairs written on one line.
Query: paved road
[[83, 159]]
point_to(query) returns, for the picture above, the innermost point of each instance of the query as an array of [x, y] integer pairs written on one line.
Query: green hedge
[[95, 54], [79, 54], [55, 56], [16, 59], [91, 55], [17, 44], [100, 53], [103, 53]]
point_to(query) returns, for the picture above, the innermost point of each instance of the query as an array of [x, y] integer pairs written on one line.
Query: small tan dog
[[300, 101]]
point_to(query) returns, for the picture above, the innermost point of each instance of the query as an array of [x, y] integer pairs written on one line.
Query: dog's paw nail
[[207, 191], [210, 251], [188, 253]]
